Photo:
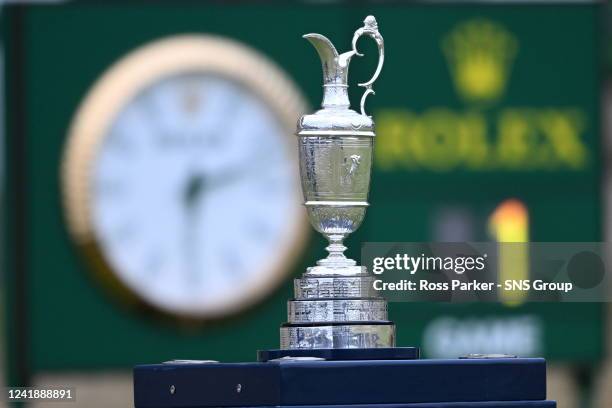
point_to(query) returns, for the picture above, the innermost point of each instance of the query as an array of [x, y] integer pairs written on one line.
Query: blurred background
[[152, 204]]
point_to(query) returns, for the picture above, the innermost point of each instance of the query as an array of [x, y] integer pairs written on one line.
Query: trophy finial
[[370, 22]]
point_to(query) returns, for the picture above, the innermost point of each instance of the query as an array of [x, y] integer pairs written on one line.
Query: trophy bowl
[[335, 175]]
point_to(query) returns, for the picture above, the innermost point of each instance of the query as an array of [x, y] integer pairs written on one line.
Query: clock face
[[191, 193]]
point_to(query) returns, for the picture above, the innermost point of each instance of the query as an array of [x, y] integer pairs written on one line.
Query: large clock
[[180, 179]]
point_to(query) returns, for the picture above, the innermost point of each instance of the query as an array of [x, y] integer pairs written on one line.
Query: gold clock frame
[[123, 81]]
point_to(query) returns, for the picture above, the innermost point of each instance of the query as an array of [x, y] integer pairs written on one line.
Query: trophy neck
[[335, 71], [335, 96]]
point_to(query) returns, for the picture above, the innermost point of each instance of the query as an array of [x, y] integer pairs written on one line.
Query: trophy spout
[[335, 71]]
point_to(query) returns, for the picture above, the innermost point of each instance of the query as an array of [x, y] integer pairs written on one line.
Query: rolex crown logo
[[480, 55]]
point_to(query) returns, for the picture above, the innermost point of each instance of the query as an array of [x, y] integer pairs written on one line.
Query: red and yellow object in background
[[510, 223]]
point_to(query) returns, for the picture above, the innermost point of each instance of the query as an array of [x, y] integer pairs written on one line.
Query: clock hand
[[194, 189]]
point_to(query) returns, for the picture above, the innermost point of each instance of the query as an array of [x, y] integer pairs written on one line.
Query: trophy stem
[[336, 257]]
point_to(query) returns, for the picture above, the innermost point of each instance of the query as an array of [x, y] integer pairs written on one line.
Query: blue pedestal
[[368, 383]]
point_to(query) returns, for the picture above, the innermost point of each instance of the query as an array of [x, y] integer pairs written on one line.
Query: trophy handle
[[370, 28]]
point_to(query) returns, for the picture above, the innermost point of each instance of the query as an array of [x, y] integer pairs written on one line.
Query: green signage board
[[488, 122]]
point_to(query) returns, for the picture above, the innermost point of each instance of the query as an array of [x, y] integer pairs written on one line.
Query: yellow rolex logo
[[480, 54]]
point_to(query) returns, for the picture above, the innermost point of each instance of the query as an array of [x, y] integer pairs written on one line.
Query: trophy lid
[[336, 118]]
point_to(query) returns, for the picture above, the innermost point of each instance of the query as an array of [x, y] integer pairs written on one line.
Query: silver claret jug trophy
[[335, 305]]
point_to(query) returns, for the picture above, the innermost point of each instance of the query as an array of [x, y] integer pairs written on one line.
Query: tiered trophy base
[[336, 308], [349, 335]]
